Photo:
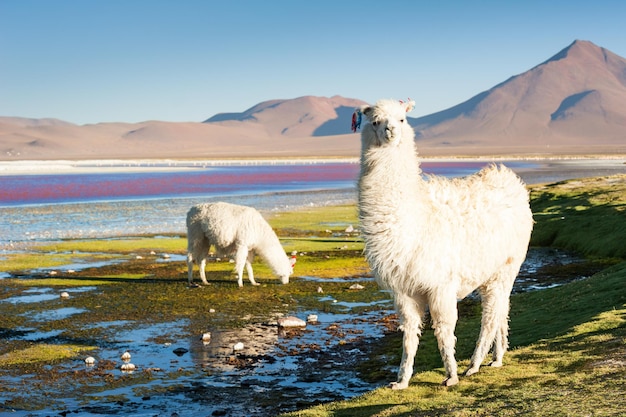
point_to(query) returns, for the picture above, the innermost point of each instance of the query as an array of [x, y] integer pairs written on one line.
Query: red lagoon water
[[215, 181], [211, 182]]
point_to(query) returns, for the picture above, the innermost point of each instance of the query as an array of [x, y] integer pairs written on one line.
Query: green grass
[[42, 353], [587, 216]]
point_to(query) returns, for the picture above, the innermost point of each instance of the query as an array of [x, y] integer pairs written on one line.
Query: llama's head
[[286, 269], [387, 123]]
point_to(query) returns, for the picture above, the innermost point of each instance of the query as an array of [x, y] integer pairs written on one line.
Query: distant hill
[[303, 116], [575, 98], [573, 103], [300, 127]]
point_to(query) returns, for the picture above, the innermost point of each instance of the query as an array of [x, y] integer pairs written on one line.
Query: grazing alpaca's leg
[[445, 315], [249, 268], [494, 324], [411, 312], [197, 252]]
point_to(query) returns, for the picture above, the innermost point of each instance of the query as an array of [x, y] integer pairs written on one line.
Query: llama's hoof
[[496, 364], [471, 371], [398, 385], [450, 381], [256, 284]]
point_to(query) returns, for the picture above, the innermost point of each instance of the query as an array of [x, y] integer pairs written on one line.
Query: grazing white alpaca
[[237, 230], [433, 241]]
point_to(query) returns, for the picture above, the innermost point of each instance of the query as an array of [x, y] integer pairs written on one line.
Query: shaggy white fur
[[237, 230], [432, 241]]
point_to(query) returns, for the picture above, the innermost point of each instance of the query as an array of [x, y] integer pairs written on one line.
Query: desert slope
[[576, 98]]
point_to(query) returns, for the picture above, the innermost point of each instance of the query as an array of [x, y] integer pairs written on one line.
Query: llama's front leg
[[241, 257], [190, 268], [202, 266], [249, 268], [443, 310], [411, 313]]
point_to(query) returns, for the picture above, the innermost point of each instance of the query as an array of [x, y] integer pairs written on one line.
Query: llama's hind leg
[[495, 304], [501, 342], [411, 312], [197, 252], [443, 309]]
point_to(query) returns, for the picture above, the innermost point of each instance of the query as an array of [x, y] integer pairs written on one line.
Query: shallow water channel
[[276, 370]]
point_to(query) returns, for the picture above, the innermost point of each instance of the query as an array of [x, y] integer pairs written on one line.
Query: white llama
[[433, 241], [237, 230]]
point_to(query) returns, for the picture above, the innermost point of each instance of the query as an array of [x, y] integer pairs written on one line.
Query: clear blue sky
[[90, 61]]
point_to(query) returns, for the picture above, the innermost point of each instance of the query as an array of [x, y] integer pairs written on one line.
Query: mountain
[[300, 127], [575, 98], [573, 103], [299, 117]]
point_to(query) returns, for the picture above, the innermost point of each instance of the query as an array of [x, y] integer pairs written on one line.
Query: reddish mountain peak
[[577, 94], [576, 49]]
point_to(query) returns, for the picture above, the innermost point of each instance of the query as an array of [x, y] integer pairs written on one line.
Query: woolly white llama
[[238, 230], [433, 241]]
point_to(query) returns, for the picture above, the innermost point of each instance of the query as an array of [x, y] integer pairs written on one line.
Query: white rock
[[127, 367], [211, 310], [238, 346], [138, 257], [356, 287], [349, 229], [311, 318], [206, 337], [126, 356], [291, 321], [320, 290], [90, 360], [65, 294]]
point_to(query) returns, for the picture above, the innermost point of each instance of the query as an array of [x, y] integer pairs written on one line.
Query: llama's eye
[[375, 123], [401, 120]]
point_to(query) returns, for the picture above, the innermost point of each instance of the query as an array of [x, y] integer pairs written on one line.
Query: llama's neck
[[272, 252], [393, 208], [390, 180]]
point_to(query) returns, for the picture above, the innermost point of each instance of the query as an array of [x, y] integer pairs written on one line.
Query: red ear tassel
[[356, 120]]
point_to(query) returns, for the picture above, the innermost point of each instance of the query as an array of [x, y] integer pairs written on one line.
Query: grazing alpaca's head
[[387, 123]]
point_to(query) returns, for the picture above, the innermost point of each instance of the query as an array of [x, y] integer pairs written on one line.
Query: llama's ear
[[366, 109], [410, 105]]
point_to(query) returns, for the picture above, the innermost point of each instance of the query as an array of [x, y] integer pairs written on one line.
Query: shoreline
[[66, 166]]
